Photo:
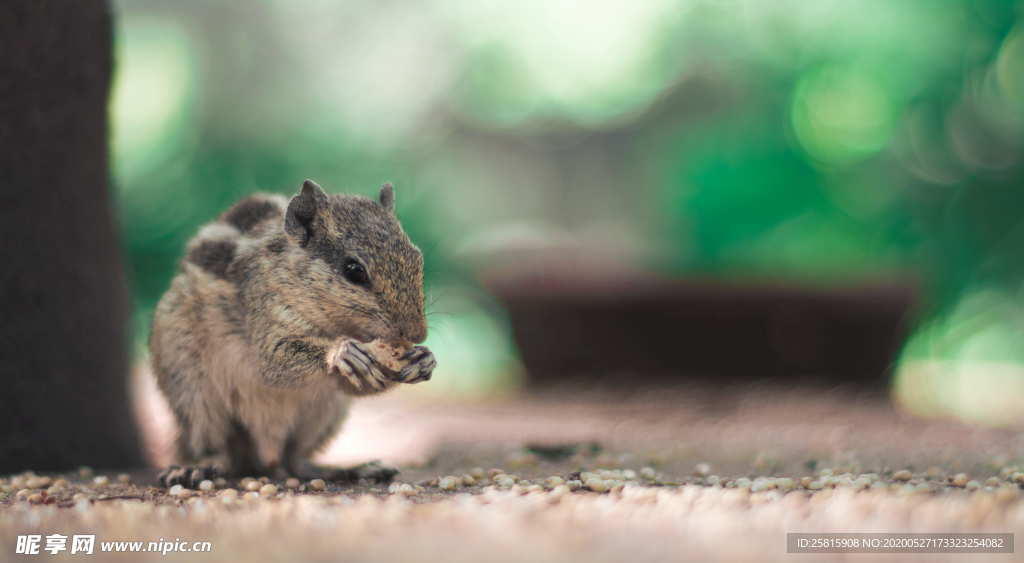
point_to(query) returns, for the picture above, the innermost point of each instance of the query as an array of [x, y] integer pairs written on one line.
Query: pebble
[[447, 483], [292, 483], [317, 485], [554, 481], [761, 484], [101, 480], [960, 480], [404, 489], [903, 475], [227, 496], [702, 469], [38, 482], [648, 473], [597, 485], [124, 478], [253, 486], [178, 491], [268, 490], [206, 485]]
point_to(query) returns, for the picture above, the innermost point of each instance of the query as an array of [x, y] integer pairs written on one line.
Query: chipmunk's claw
[[358, 370], [372, 471], [420, 367], [188, 476]]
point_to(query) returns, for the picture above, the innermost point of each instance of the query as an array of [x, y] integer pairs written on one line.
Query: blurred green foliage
[[815, 140]]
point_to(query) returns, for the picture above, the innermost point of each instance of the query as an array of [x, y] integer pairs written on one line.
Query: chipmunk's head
[[363, 268]]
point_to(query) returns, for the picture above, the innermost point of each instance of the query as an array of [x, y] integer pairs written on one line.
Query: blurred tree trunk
[[63, 299]]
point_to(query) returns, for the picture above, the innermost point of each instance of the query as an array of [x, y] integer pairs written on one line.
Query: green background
[[807, 140]]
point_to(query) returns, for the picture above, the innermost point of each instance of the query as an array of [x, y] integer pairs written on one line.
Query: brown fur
[[244, 343]]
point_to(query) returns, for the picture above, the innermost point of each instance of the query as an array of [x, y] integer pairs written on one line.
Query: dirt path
[[676, 474]]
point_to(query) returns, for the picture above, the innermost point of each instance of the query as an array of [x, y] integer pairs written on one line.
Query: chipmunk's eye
[[355, 272]]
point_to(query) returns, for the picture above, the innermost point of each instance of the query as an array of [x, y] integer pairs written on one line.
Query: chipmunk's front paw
[[375, 366], [419, 367], [372, 471], [359, 372], [188, 476]]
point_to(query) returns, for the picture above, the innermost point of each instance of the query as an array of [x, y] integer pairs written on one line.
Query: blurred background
[[851, 155]]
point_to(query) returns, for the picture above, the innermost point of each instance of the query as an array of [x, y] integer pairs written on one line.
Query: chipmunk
[[266, 332]]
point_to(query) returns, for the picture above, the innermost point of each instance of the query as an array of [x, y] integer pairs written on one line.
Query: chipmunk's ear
[[302, 210], [387, 197]]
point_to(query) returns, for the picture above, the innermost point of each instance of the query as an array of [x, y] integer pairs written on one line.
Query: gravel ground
[[671, 475]]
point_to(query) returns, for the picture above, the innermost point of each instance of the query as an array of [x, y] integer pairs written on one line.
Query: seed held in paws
[[387, 355], [373, 364]]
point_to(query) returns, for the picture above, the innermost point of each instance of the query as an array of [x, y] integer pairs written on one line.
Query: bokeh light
[[152, 96], [969, 364], [841, 115], [550, 59]]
